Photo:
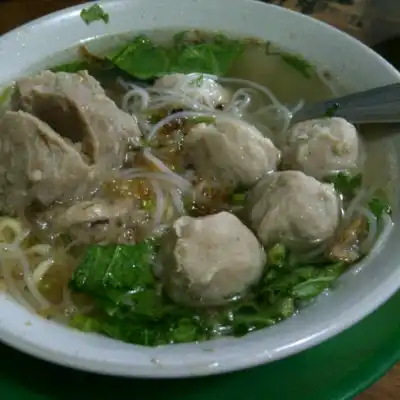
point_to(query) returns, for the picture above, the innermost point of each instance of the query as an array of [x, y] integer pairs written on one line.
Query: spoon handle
[[379, 105]]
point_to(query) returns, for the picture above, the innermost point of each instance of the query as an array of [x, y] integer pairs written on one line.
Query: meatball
[[209, 260], [231, 151], [292, 208], [320, 147], [196, 87]]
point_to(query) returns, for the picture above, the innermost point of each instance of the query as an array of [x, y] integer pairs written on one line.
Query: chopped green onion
[[147, 204], [331, 111], [276, 255]]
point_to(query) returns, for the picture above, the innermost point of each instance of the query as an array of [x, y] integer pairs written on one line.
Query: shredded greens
[[331, 111], [131, 305], [379, 205], [94, 13], [297, 62], [348, 185]]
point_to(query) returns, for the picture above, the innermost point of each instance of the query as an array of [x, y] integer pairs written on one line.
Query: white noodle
[[239, 103], [372, 229], [126, 85], [285, 113], [189, 93], [258, 87], [172, 117], [10, 283], [130, 96], [30, 283], [16, 252], [128, 174], [41, 270], [39, 249], [163, 168], [178, 203], [12, 224], [166, 100], [160, 202], [363, 195], [380, 241], [298, 107]]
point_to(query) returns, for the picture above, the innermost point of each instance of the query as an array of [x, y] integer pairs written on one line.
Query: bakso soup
[[158, 193]]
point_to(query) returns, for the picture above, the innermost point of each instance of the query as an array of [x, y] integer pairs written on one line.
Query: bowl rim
[[77, 361]]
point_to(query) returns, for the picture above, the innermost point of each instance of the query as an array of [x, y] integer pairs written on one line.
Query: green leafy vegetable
[[348, 185], [144, 59], [131, 306], [145, 332], [5, 94], [129, 301], [94, 13], [120, 278], [238, 196], [379, 206], [302, 283], [345, 183]]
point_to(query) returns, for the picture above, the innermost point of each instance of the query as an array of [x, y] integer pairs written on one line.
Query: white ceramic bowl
[[356, 296]]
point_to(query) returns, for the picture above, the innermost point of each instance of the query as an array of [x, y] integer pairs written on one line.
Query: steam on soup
[[160, 194]]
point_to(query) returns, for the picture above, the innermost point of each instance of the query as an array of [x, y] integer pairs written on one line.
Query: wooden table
[[16, 12]]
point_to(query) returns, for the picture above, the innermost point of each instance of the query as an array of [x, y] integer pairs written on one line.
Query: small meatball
[[293, 209], [232, 152], [196, 87], [320, 147], [209, 260]]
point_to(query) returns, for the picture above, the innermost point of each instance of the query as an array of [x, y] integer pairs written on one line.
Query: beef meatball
[[320, 147], [292, 208], [230, 151], [208, 260]]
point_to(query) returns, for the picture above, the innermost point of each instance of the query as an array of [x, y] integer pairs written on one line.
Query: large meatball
[[293, 209], [196, 87], [320, 147], [208, 260], [230, 151]]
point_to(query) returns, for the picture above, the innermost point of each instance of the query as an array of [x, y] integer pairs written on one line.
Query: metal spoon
[[378, 105]]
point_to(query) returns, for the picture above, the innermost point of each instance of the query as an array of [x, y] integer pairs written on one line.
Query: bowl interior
[[358, 294]]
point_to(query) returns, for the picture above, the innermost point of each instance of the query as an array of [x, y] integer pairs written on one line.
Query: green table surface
[[337, 369]]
